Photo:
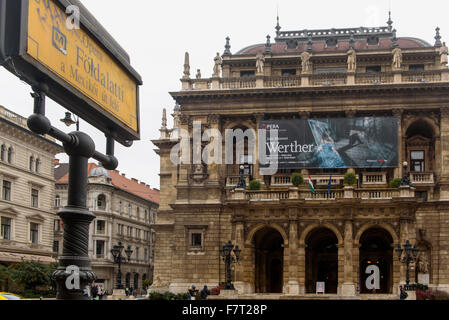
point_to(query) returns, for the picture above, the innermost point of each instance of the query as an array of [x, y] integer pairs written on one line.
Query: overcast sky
[[156, 34]]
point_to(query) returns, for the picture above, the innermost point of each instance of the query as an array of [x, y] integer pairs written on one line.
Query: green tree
[[395, 183], [4, 277], [32, 274], [350, 179], [254, 185], [297, 179]]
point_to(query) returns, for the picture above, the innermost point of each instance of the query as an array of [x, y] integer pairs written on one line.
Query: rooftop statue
[[351, 60], [305, 62], [217, 65], [260, 60], [397, 58], [443, 54]]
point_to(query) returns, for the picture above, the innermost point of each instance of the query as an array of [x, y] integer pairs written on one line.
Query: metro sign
[[86, 71]]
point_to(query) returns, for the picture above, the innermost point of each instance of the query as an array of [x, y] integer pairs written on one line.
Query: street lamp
[[405, 181], [68, 121], [228, 258], [119, 259], [410, 254]]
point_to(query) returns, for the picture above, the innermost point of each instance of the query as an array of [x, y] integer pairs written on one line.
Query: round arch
[[428, 121], [385, 226], [317, 225], [260, 226], [238, 124]]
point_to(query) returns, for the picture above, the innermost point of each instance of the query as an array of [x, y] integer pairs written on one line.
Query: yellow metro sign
[[76, 58]]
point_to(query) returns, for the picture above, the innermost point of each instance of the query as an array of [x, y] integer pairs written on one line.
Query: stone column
[[240, 284], [302, 267], [398, 171], [214, 123], [348, 287], [256, 174], [184, 168], [293, 283], [444, 155]]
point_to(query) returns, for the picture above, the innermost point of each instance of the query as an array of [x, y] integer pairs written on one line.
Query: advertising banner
[[369, 142]]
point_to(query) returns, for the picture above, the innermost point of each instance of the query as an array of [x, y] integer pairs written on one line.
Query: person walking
[[402, 293], [94, 291], [204, 293], [192, 292]]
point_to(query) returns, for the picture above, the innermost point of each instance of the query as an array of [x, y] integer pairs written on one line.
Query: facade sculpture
[[443, 54], [217, 65], [260, 60], [305, 62], [397, 58], [351, 60]]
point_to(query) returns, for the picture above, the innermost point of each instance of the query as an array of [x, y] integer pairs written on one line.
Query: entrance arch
[[376, 249], [322, 260], [269, 260]]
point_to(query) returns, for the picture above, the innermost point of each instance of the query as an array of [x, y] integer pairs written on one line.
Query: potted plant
[[297, 179], [395, 183], [422, 292], [254, 185], [350, 179]]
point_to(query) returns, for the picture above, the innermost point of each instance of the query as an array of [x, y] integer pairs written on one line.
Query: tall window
[[137, 253], [101, 202], [101, 227], [34, 232], [34, 198], [38, 165], [6, 228], [3, 152], [100, 248], [145, 254], [196, 240], [137, 233], [6, 190], [31, 163], [57, 225], [10, 151], [121, 207], [129, 209], [417, 159], [57, 201], [56, 246]]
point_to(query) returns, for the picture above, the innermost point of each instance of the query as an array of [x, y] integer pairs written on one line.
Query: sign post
[[87, 72]]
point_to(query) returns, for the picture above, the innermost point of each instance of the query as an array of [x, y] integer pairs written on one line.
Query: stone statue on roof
[[397, 58], [443, 54], [351, 60], [217, 65], [305, 62], [260, 61], [198, 74]]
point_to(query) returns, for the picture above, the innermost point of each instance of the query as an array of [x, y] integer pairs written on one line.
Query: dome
[[99, 172]]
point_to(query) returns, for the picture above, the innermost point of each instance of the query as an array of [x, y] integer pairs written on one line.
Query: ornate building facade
[[125, 211], [27, 191], [291, 238]]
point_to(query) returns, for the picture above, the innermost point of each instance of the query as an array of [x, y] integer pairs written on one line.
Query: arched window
[[129, 209], [31, 163], [101, 202], [10, 151], [38, 165], [3, 152], [57, 201]]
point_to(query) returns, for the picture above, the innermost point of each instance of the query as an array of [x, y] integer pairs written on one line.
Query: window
[[145, 254], [31, 163], [330, 70], [57, 225], [38, 165], [34, 233], [129, 209], [196, 240], [56, 246], [417, 161], [147, 217], [10, 151], [137, 253], [247, 73], [34, 198], [129, 231], [288, 72], [57, 201], [101, 227], [6, 190], [373, 69], [6, 228], [137, 233], [416, 67], [99, 249], [101, 202], [120, 207], [3, 153], [120, 229]]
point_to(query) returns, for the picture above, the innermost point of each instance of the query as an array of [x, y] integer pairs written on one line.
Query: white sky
[[156, 35]]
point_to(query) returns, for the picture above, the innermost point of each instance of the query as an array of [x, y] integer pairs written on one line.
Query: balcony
[[422, 178], [317, 80], [320, 195]]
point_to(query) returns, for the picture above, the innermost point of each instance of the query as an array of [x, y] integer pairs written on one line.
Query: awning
[[19, 257]]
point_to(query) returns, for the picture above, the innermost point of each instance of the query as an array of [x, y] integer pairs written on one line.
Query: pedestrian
[[192, 292], [94, 291], [127, 291], [204, 293], [101, 293], [402, 295]]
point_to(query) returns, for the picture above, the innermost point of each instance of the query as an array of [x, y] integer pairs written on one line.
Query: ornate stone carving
[[352, 65], [184, 119], [260, 62], [423, 263], [198, 74], [217, 65], [186, 66], [443, 54], [304, 114], [305, 62], [213, 119]]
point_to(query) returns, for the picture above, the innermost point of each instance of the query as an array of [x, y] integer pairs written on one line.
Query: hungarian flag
[[311, 186]]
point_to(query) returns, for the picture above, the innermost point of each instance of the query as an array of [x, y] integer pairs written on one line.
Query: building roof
[[118, 180]]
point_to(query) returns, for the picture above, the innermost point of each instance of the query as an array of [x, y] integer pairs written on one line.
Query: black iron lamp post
[[228, 258], [410, 254], [119, 259], [68, 121], [405, 181]]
